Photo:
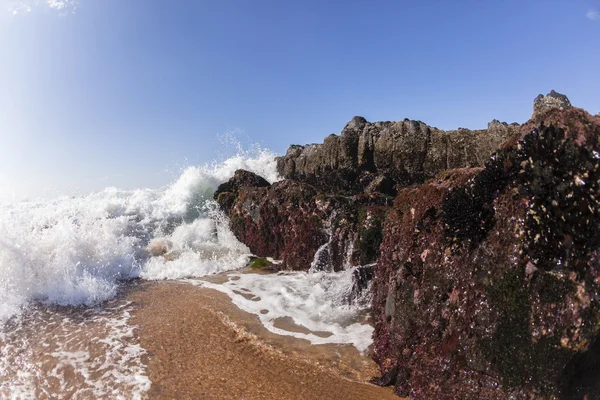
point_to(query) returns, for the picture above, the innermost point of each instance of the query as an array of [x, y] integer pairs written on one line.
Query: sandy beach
[[200, 346]]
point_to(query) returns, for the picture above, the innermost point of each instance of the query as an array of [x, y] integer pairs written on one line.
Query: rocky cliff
[[486, 267], [331, 206], [383, 155], [488, 281]]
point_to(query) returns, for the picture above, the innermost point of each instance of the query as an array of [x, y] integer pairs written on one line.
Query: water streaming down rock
[[322, 259]]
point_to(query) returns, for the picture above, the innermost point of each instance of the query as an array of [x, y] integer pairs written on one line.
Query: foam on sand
[[317, 303]]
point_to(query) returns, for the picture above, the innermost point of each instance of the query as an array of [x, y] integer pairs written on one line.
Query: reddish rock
[[291, 221], [487, 277], [488, 281]]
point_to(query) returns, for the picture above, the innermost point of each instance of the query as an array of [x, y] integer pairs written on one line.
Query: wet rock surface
[[292, 221], [488, 279], [241, 178]]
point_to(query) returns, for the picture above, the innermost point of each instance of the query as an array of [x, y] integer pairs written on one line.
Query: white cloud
[[19, 8], [27, 6], [593, 15], [59, 4]]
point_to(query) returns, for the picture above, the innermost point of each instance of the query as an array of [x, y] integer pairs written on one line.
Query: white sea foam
[[72, 251], [317, 301]]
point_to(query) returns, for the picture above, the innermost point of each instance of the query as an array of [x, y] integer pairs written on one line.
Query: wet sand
[[200, 346]]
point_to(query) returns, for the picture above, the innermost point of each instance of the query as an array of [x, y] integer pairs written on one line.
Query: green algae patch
[[259, 263]]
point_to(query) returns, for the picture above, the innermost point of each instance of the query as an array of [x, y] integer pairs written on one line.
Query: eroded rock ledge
[[384, 155], [483, 246]]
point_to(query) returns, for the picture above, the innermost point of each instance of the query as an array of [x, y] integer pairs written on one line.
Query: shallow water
[[67, 352]]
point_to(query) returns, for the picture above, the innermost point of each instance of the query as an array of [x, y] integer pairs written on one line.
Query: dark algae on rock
[[482, 247]]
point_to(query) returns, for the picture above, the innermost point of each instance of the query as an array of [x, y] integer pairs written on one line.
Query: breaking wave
[[75, 250]]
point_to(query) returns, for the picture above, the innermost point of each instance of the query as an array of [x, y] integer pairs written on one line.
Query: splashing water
[[74, 251]]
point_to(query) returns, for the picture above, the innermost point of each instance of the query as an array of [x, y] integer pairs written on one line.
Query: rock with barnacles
[[497, 293]]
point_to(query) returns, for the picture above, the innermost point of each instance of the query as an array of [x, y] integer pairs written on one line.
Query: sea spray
[[75, 250], [202, 247]]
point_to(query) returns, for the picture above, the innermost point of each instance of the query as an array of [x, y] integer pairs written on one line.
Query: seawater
[[63, 261]]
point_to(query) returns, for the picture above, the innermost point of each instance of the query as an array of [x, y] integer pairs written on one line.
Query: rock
[[225, 200], [291, 221], [381, 184], [551, 100], [405, 152], [241, 178], [159, 247], [486, 268], [487, 284], [259, 263], [362, 277], [281, 221], [163, 247]]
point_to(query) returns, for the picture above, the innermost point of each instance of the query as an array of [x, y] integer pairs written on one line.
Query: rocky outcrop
[[485, 270], [227, 192], [488, 281], [398, 153], [551, 101], [293, 222]]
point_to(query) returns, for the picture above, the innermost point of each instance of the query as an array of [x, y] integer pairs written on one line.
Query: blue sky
[[116, 92]]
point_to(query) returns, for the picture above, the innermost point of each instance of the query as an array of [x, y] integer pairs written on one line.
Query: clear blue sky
[[118, 91]]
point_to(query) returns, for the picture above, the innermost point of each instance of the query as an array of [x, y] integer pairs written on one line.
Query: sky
[[124, 93]]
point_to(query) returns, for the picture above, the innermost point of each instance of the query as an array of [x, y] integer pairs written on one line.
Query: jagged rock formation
[[488, 281], [226, 193], [551, 100], [401, 153]]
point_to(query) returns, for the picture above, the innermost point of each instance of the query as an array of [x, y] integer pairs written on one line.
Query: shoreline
[[199, 345]]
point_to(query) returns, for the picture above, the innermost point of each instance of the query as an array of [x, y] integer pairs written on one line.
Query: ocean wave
[[75, 250]]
